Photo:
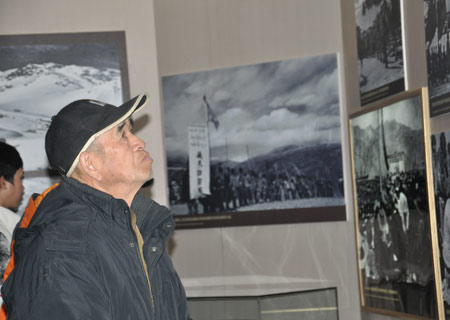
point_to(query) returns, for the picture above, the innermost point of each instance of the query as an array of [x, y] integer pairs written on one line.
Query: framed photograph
[[394, 207], [42, 73], [440, 148], [437, 41], [380, 49], [255, 144]]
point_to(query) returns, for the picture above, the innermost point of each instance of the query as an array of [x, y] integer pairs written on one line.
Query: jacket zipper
[[147, 277], [141, 260]]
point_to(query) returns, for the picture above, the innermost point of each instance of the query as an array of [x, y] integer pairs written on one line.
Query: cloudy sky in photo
[[259, 107]]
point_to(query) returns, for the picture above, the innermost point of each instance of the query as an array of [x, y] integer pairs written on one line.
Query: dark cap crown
[[74, 128]]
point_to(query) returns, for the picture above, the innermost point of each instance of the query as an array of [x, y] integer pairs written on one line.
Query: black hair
[[10, 161]]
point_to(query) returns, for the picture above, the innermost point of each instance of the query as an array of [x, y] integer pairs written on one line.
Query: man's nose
[[139, 143]]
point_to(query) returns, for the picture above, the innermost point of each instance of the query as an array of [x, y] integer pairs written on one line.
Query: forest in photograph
[[380, 53], [437, 42]]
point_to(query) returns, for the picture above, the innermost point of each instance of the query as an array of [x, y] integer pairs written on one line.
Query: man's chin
[[149, 179]]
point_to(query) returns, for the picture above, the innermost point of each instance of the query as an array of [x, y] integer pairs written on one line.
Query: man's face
[[124, 160], [14, 191]]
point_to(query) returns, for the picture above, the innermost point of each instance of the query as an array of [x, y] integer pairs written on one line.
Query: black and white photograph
[[263, 139], [440, 148], [380, 50], [391, 200], [40, 74], [437, 44]]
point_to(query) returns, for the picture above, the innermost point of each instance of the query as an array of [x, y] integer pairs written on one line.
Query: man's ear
[[3, 183], [90, 163]]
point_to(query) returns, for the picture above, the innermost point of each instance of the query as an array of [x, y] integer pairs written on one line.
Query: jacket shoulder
[[63, 221]]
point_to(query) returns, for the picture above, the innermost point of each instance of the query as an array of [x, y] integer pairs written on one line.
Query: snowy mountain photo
[[30, 95], [39, 75]]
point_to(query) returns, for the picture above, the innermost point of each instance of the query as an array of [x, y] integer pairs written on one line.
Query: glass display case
[[260, 299]]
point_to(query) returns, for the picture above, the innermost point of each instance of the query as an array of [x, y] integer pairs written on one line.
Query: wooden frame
[[440, 164], [394, 208]]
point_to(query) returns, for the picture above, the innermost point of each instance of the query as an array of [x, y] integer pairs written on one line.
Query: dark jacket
[[79, 259]]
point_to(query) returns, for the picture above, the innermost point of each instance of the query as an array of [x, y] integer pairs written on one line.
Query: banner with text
[[198, 162]]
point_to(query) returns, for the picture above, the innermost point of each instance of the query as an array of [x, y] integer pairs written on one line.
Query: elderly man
[[94, 248]]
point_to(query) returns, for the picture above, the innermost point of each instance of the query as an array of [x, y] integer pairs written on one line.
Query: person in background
[[11, 193], [95, 248]]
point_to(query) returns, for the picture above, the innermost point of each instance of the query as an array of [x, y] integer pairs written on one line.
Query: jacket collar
[[88, 189], [150, 216], [103, 201]]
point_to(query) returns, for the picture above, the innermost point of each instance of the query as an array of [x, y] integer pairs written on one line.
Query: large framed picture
[[394, 207], [40, 74], [255, 144]]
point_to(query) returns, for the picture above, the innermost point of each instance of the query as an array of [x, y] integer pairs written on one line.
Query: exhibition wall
[[169, 37]]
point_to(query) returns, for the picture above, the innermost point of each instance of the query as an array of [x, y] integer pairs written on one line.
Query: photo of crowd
[[440, 147], [395, 251], [238, 189]]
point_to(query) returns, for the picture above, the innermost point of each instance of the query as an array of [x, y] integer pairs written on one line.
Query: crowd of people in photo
[[438, 42], [438, 63], [234, 188], [441, 174], [393, 221]]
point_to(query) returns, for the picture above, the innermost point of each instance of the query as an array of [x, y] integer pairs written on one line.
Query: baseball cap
[[76, 126]]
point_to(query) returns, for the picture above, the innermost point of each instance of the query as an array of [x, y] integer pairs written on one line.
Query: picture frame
[[440, 163], [394, 208], [437, 37], [379, 49], [40, 74], [255, 144]]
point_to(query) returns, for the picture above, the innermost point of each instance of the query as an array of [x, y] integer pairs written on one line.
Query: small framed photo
[[380, 49], [394, 208]]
